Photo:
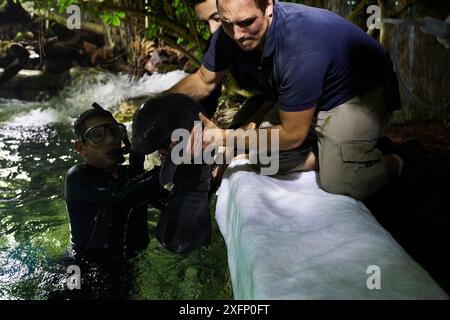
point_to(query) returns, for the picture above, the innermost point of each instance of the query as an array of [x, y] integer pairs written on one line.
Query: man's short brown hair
[[262, 4]]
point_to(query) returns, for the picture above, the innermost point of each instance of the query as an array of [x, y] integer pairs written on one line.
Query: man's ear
[[269, 8]]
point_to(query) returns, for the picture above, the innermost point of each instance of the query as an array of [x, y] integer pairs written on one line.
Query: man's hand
[[211, 133]]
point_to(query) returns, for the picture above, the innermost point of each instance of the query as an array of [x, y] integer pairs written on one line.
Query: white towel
[[288, 239]]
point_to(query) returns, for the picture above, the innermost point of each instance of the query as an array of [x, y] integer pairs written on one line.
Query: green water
[[34, 227]]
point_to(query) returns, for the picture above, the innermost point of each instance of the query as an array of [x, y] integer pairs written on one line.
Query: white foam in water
[[109, 90], [35, 118], [157, 83], [105, 88], [17, 104]]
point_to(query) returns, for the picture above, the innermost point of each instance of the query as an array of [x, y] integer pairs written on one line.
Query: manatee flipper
[[185, 223], [167, 172]]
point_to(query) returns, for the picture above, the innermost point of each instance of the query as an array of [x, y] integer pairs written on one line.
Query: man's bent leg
[[349, 162]]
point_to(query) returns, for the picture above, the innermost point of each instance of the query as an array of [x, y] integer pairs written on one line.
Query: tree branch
[[176, 46], [164, 22], [193, 26]]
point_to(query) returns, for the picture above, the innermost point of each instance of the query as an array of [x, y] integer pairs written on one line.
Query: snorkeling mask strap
[[126, 141], [95, 105]]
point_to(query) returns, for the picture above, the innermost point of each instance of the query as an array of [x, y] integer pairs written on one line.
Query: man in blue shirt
[[323, 71], [257, 111]]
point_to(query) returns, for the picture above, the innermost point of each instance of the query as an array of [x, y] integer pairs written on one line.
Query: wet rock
[[13, 19], [32, 85]]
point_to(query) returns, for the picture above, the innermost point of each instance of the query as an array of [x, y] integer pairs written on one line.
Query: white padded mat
[[288, 239]]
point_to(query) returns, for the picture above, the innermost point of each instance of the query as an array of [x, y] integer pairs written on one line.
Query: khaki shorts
[[349, 162]]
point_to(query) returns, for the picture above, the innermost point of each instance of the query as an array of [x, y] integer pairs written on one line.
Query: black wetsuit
[[108, 215]]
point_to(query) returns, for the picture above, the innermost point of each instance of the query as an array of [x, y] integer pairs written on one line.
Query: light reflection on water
[[33, 222]]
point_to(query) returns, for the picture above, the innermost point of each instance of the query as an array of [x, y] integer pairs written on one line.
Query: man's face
[[96, 154], [207, 13], [245, 22]]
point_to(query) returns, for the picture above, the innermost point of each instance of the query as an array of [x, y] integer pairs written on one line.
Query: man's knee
[[360, 188], [352, 171]]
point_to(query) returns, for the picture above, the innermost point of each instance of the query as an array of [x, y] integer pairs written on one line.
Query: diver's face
[[245, 22], [207, 13], [96, 154]]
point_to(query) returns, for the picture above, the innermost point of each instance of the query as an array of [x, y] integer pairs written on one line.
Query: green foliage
[[171, 21], [175, 23], [62, 5], [113, 18]]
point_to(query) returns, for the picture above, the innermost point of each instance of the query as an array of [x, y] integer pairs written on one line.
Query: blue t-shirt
[[311, 58]]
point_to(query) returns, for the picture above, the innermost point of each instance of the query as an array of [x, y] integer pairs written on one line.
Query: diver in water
[[107, 201]]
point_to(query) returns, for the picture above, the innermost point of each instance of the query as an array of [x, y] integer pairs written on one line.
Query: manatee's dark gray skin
[[185, 222], [159, 117]]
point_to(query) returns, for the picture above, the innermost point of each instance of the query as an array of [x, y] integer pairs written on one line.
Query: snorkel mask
[[104, 134]]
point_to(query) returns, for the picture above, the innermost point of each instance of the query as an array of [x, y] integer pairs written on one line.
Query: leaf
[[62, 5], [106, 17], [116, 21], [120, 14]]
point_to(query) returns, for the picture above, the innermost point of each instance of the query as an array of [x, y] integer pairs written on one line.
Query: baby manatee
[[185, 221]]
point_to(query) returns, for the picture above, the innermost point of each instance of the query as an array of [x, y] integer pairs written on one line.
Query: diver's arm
[[200, 84], [83, 186]]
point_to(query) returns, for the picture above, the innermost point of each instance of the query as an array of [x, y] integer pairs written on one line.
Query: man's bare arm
[[199, 84], [294, 128], [293, 131]]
